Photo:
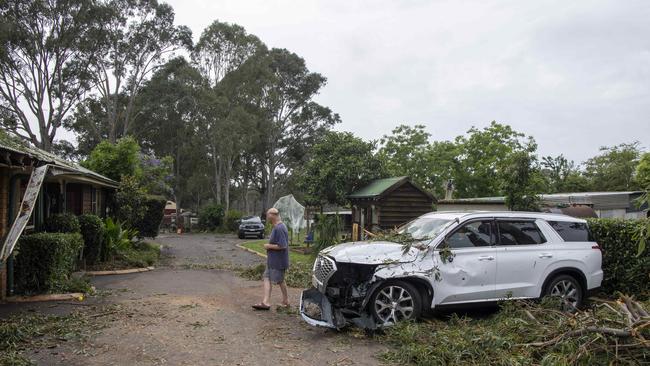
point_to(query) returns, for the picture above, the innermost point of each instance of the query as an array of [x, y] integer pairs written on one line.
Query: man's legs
[[267, 291], [285, 295]]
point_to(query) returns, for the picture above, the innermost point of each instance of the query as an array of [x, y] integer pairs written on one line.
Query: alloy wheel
[[394, 304], [568, 293]]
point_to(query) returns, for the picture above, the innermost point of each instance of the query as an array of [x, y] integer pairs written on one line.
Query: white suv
[[458, 258]]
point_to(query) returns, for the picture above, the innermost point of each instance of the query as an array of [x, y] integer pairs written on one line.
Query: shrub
[[45, 261], [129, 199], [328, 229], [62, 223], [624, 270], [116, 238], [233, 217], [92, 230], [154, 210], [211, 217]]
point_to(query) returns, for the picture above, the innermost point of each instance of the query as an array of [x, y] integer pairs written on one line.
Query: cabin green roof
[[377, 187]]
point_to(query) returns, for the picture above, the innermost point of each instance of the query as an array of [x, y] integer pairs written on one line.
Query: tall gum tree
[[222, 49], [47, 50], [141, 36], [290, 121]]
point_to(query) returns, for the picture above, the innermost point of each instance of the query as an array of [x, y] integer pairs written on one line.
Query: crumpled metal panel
[[26, 209]]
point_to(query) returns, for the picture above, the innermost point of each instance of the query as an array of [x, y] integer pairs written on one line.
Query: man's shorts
[[274, 275]]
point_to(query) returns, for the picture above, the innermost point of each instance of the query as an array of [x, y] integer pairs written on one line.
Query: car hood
[[378, 252]]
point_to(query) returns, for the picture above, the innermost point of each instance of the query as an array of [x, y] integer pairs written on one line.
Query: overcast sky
[[573, 74]]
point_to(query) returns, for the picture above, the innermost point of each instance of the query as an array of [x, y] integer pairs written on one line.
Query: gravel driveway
[[189, 313]]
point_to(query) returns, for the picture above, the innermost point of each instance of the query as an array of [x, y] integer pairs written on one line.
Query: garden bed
[[141, 255]]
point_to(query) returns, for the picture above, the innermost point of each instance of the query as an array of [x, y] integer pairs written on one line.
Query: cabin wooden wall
[[402, 205]]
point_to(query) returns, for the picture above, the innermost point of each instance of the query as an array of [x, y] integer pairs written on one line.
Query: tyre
[[568, 289], [395, 301], [241, 236], [261, 236]]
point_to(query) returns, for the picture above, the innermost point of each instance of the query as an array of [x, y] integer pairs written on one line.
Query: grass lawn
[[294, 258]]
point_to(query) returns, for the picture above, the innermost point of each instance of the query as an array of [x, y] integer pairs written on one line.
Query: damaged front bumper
[[317, 310]]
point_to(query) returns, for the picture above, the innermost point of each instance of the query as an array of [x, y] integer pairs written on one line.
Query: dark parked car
[[251, 226]]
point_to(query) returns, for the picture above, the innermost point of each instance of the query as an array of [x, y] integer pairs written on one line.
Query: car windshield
[[424, 227], [251, 220]]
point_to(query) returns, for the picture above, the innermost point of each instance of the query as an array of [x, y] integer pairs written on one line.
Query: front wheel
[[396, 301], [568, 290]]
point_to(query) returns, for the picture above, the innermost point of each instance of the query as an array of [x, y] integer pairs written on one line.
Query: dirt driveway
[[186, 313]]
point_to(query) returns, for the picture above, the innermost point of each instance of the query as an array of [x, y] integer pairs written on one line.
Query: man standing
[[277, 260]]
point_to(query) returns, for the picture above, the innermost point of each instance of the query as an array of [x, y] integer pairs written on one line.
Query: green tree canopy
[[562, 175], [338, 164], [614, 168], [482, 154], [46, 53], [643, 171], [521, 181], [115, 160]]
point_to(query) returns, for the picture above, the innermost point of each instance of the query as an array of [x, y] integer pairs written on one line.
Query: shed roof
[[599, 200], [380, 187], [377, 187], [14, 145]]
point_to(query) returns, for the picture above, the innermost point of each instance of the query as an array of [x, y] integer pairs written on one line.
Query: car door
[[522, 257], [470, 274]]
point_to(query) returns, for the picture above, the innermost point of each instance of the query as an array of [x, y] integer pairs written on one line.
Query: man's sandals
[[261, 306]]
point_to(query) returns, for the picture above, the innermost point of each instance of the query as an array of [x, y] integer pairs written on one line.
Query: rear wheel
[[396, 301], [568, 290]]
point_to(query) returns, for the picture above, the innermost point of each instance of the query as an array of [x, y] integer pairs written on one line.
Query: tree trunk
[[246, 202], [226, 185], [269, 187], [216, 164]]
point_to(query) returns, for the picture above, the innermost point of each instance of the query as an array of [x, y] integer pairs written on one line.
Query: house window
[[93, 200], [74, 198]]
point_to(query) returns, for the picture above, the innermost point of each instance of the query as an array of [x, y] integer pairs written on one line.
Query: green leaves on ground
[[520, 333]]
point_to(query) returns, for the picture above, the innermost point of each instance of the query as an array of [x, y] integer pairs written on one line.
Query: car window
[[572, 231], [473, 234], [513, 232]]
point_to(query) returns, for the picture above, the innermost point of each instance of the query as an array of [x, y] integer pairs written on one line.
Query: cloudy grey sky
[[573, 74]]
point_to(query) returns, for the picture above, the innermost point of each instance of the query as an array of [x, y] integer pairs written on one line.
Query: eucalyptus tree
[[170, 106], [222, 49], [46, 56], [141, 36], [290, 120]]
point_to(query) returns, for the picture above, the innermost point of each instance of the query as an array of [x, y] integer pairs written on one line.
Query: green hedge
[[211, 217], [62, 223], [44, 261], [233, 218], [154, 210], [624, 270], [92, 230]]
